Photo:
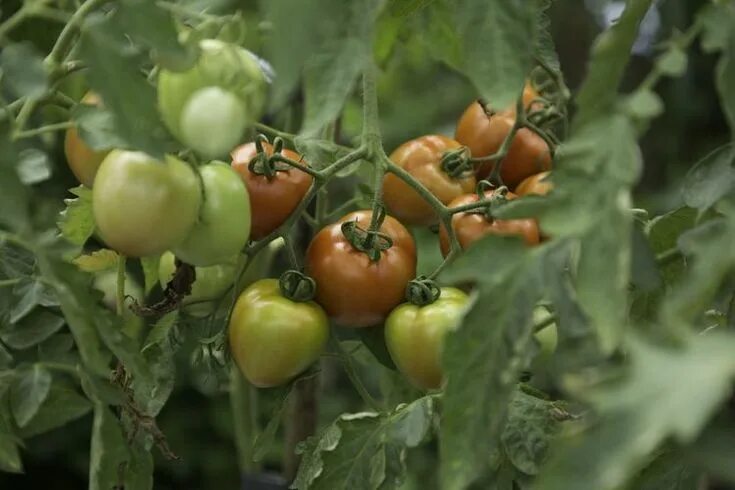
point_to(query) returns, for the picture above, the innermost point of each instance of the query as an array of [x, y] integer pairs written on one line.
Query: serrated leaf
[[531, 425], [9, 454], [497, 37], [39, 325], [34, 166], [29, 293], [62, 405], [160, 332], [265, 439], [29, 390], [97, 261], [76, 222], [354, 450], [23, 71], [96, 126], [108, 450], [690, 382], [150, 272], [609, 58], [492, 354], [669, 471], [711, 179]]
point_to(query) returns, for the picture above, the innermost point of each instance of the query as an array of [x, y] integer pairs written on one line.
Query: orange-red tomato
[[470, 226], [535, 184], [483, 134], [355, 291], [83, 160], [271, 200], [422, 158]]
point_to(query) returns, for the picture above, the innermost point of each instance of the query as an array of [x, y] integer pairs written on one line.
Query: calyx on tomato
[[209, 106]]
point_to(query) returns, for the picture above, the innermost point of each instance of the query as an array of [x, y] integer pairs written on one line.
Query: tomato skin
[[470, 227], [535, 184], [422, 157], [353, 290], [483, 135], [271, 201], [273, 338], [223, 227], [83, 160], [225, 76], [415, 335], [210, 284], [143, 206]]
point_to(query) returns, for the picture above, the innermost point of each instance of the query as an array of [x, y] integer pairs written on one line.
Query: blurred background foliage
[[418, 95]]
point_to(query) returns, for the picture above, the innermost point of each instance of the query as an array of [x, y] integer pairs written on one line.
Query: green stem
[[354, 378], [26, 11], [370, 121], [9, 282], [668, 256], [542, 324], [275, 132], [244, 404], [120, 294], [297, 165], [64, 41], [291, 250], [29, 105], [322, 205], [43, 129]]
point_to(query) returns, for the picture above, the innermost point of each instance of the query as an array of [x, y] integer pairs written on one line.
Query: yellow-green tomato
[[210, 284], [273, 338], [143, 206], [223, 227], [414, 336]]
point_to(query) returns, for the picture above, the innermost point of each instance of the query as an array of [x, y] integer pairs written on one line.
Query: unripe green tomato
[[273, 338], [547, 337], [143, 206], [209, 106], [223, 227], [106, 283], [415, 335], [210, 284]]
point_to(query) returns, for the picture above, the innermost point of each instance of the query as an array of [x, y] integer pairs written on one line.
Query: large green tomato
[[210, 284], [415, 335], [209, 106], [273, 338], [143, 206], [223, 227]]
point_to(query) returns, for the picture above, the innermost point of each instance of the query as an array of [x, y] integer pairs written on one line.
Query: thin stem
[[371, 121], [29, 105], [542, 324], [24, 12], [297, 165], [63, 42], [120, 296], [341, 209], [470, 206], [668, 256], [505, 147], [275, 132], [244, 403], [354, 378], [291, 250], [43, 129], [557, 77], [322, 204], [9, 282]]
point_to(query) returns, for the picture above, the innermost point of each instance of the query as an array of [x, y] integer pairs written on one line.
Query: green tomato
[[143, 206], [210, 284], [415, 335], [273, 338], [223, 227], [209, 106]]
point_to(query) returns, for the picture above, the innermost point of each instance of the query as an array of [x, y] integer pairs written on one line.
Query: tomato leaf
[[492, 355], [497, 37], [631, 423], [23, 71], [76, 221], [108, 450], [97, 261], [96, 126], [30, 389], [62, 405], [39, 325], [711, 179], [14, 197], [9, 454], [609, 57], [34, 166], [364, 450], [150, 272]]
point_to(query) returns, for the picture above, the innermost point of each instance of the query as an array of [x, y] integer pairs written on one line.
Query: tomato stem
[[64, 41], [120, 290], [353, 376]]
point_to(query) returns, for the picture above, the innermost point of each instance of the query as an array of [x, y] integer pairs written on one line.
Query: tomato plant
[[339, 269], [424, 158], [272, 337], [143, 206], [272, 197], [174, 298], [415, 335], [223, 225]]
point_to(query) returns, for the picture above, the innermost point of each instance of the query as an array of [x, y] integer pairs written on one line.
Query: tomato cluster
[[358, 270]]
